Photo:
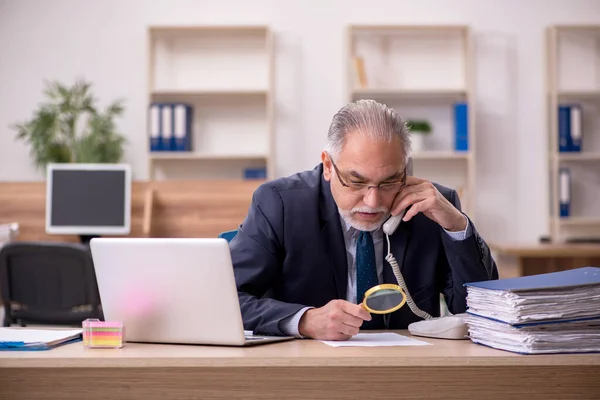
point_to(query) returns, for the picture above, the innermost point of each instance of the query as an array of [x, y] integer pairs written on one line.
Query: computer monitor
[[88, 200]]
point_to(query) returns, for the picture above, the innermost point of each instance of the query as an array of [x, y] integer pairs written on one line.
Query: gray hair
[[370, 118]]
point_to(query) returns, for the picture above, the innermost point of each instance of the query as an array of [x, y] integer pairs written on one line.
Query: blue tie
[[366, 275], [366, 272]]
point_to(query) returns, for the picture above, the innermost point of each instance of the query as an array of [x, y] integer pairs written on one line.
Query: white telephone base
[[449, 327]]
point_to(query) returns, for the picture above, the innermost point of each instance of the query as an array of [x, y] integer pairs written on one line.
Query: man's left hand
[[426, 199]]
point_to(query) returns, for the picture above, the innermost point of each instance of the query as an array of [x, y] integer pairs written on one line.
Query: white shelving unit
[[421, 71], [226, 74], [573, 77]]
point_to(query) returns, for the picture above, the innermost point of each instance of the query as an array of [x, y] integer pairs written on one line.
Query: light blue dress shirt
[[290, 324]]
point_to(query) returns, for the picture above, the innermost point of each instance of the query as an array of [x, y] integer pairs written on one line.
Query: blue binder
[[154, 126], [584, 276], [575, 127], [461, 127], [167, 127], [564, 192], [570, 130], [564, 135], [182, 127], [255, 173], [537, 313]]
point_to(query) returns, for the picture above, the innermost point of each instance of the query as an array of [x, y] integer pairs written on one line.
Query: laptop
[[172, 290]]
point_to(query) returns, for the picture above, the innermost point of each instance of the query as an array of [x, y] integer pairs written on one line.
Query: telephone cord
[[411, 304]]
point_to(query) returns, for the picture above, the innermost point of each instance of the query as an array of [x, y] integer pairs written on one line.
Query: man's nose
[[372, 198]]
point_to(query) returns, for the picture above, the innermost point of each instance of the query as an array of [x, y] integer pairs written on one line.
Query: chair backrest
[[228, 235], [48, 283]]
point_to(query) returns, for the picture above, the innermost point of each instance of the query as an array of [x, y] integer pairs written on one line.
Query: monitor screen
[[88, 199]]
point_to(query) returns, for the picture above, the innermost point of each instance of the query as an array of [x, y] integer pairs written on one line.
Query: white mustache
[[369, 210]]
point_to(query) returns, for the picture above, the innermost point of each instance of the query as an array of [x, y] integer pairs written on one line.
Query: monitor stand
[[85, 239]]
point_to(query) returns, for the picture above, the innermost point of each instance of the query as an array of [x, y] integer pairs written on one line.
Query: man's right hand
[[337, 320]]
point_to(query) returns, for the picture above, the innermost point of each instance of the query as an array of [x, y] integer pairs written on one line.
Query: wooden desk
[[301, 369], [529, 259]]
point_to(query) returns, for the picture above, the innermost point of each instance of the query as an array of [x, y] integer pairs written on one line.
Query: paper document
[[376, 340], [11, 338]]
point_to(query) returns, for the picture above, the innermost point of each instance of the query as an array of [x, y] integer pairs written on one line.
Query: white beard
[[348, 216]]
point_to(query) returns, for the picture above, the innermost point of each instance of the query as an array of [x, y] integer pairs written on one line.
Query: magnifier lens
[[385, 300]]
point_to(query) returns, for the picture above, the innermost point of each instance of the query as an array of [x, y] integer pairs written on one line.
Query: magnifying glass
[[384, 299]]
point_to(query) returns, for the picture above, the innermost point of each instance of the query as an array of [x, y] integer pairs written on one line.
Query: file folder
[[568, 279], [154, 126], [582, 336], [564, 187], [167, 126], [557, 312], [461, 127], [570, 128], [576, 127], [182, 127], [564, 127], [255, 173], [17, 339]]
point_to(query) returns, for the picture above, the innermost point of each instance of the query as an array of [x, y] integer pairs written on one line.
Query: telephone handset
[[392, 223], [390, 226], [448, 327]]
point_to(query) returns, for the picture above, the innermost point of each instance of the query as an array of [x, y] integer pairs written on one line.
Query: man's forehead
[[351, 160], [375, 171], [357, 144]]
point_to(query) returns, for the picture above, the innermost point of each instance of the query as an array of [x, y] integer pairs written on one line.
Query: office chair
[[228, 235], [48, 283]]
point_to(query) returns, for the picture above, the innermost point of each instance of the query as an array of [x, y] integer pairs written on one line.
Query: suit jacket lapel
[[336, 251], [333, 238]]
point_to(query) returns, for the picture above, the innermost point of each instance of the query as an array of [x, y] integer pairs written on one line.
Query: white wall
[[104, 41]]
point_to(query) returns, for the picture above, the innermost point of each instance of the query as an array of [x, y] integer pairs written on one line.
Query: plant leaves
[[69, 128]]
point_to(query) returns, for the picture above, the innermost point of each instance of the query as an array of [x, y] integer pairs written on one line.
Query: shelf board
[[209, 92], [579, 221], [441, 155], [577, 28], [178, 30], [579, 95], [432, 94], [583, 156], [190, 155], [437, 29]]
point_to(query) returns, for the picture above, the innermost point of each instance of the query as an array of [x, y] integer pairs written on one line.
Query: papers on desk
[[36, 339], [376, 340], [546, 313], [561, 337]]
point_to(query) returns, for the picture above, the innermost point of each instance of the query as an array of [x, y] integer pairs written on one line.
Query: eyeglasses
[[362, 187]]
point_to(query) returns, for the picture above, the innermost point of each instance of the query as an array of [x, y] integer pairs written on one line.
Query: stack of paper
[[36, 339], [547, 313]]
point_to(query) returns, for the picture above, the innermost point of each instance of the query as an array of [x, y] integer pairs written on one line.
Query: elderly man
[[312, 243]]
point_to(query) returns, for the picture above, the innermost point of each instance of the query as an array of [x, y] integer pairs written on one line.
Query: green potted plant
[[69, 128], [418, 128]]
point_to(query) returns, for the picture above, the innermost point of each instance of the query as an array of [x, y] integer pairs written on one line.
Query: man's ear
[[326, 165]]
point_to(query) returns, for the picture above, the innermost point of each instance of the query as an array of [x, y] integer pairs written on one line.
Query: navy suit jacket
[[289, 253]]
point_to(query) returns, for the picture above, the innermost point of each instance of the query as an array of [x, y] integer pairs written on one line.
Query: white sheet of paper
[[376, 340], [36, 335]]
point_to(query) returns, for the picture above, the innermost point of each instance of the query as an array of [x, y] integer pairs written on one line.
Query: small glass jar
[[103, 334]]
